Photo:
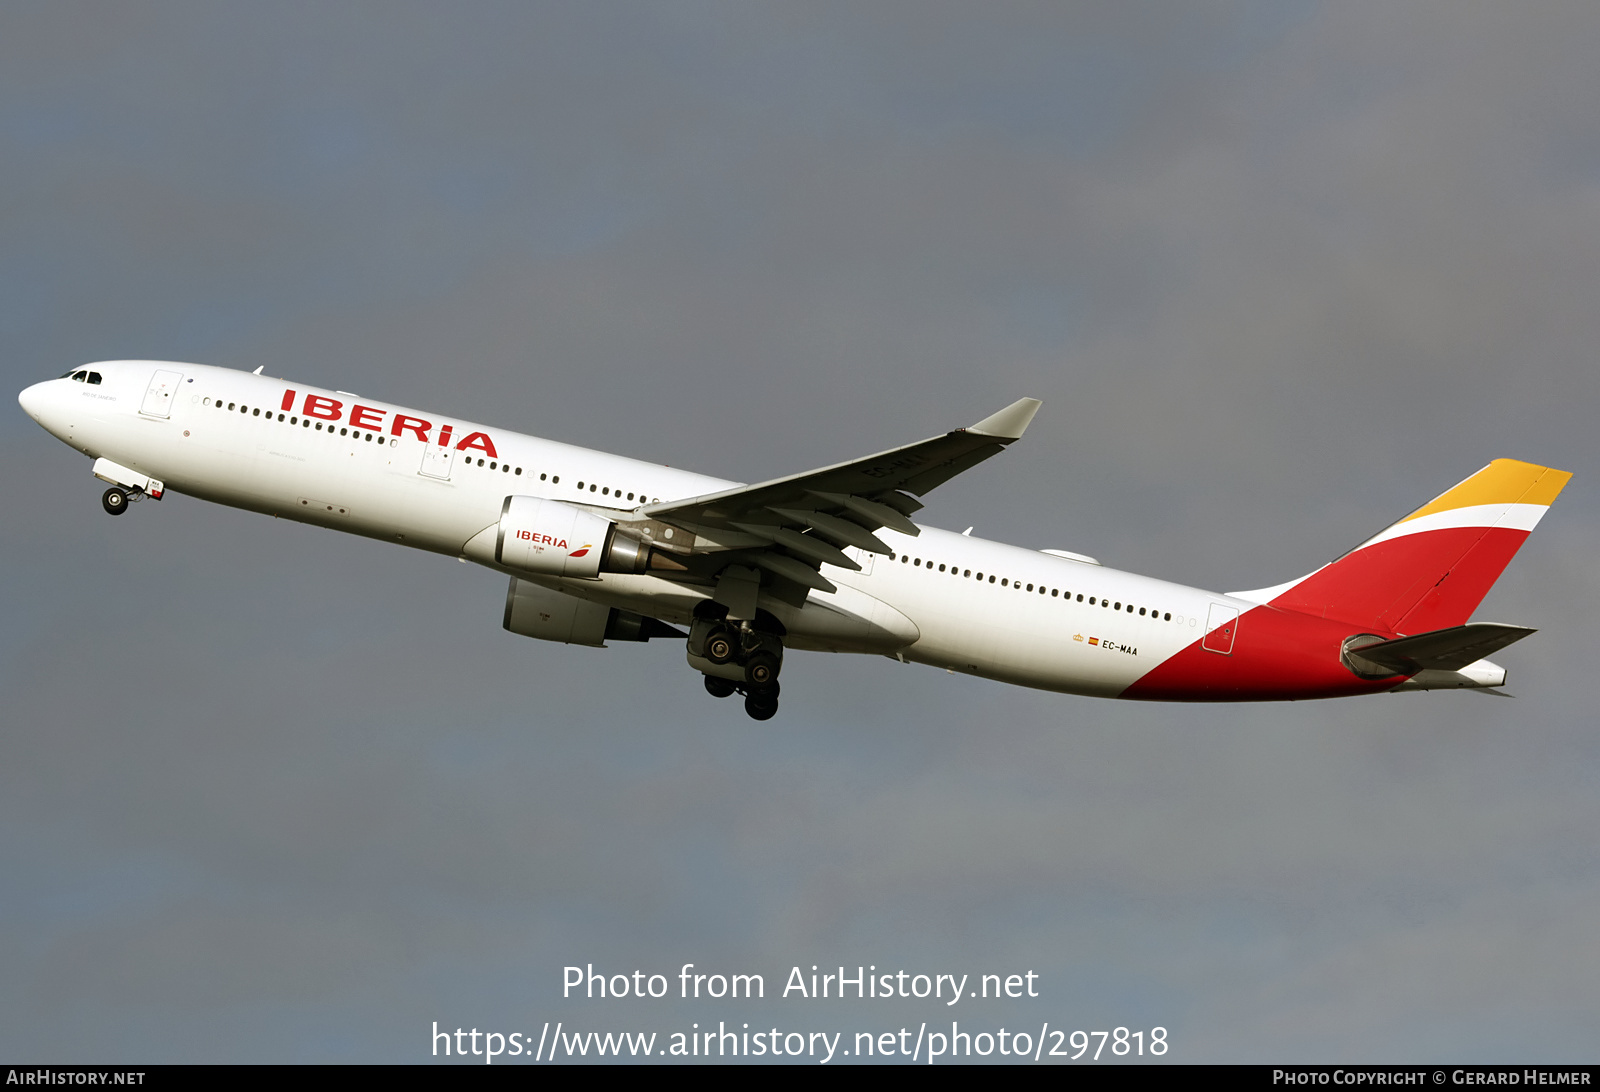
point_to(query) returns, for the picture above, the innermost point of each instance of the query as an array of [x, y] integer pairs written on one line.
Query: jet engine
[[549, 615], [555, 539]]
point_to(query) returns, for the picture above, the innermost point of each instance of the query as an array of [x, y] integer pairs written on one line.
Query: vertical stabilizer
[[1432, 569]]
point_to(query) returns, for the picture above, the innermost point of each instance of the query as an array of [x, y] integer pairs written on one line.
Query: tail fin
[[1432, 569]]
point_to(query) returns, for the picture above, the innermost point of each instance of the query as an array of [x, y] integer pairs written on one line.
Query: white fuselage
[[372, 468]]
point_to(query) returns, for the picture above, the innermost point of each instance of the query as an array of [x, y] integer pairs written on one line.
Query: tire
[[718, 688], [721, 646], [760, 710], [761, 669], [114, 501]]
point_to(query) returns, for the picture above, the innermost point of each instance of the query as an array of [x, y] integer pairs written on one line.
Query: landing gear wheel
[[721, 646], [761, 708], [114, 501], [761, 669], [718, 688]]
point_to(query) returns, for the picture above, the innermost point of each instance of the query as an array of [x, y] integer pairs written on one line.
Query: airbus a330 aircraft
[[602, 548]]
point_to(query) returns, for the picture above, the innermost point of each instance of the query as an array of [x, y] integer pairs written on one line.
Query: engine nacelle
[[536, 611], [556, 539]]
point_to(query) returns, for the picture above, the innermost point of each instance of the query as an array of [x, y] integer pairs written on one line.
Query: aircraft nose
[[32, 400]]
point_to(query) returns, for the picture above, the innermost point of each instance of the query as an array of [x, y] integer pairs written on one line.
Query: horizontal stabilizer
[[1441, 650]]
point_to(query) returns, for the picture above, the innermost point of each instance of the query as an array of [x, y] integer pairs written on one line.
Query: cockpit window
[[94, 379], [78, 377]]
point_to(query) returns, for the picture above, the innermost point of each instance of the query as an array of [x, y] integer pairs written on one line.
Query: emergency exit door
[[158, 398], [436, 461], [1221, 623]]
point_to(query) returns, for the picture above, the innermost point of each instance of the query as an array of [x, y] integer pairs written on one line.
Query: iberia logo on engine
[[542, 540]]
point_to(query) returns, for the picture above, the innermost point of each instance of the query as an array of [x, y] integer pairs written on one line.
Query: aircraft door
[[158, 399], [437, 461], [1221, 623]]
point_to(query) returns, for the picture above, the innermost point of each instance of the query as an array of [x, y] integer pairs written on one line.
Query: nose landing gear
[[114, 501]]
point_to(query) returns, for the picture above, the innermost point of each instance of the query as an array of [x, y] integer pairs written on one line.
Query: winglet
[[1011, 422]]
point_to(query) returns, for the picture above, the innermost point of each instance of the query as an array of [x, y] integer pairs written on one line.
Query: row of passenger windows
[[494, 464], [1054, 593], [306, 422], [607, 491]]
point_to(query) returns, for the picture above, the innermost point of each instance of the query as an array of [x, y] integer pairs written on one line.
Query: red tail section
[[1433, 568]]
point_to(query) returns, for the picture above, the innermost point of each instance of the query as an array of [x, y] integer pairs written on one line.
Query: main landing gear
[[761, 703], [739, 657]]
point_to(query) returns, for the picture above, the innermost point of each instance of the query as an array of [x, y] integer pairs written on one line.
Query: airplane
[[601, 548]]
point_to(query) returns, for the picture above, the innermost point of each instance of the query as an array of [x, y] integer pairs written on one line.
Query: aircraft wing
[[789, 526]]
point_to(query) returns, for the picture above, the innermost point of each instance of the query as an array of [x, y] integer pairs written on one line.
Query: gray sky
[[1280, 273]]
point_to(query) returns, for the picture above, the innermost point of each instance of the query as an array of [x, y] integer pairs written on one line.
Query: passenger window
[[941, 568], [491, 465], [991, 580], [630, 497], [1141, 612], [230, 407], [580, 486], [344, 432], [592, 488], [256, 412], [966, 572], [1091, 600], [553, 481], [505, 468], [1054, 592], [606, 492], [1166, 617], [1002, 583], [519, 471], [541, 477]]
